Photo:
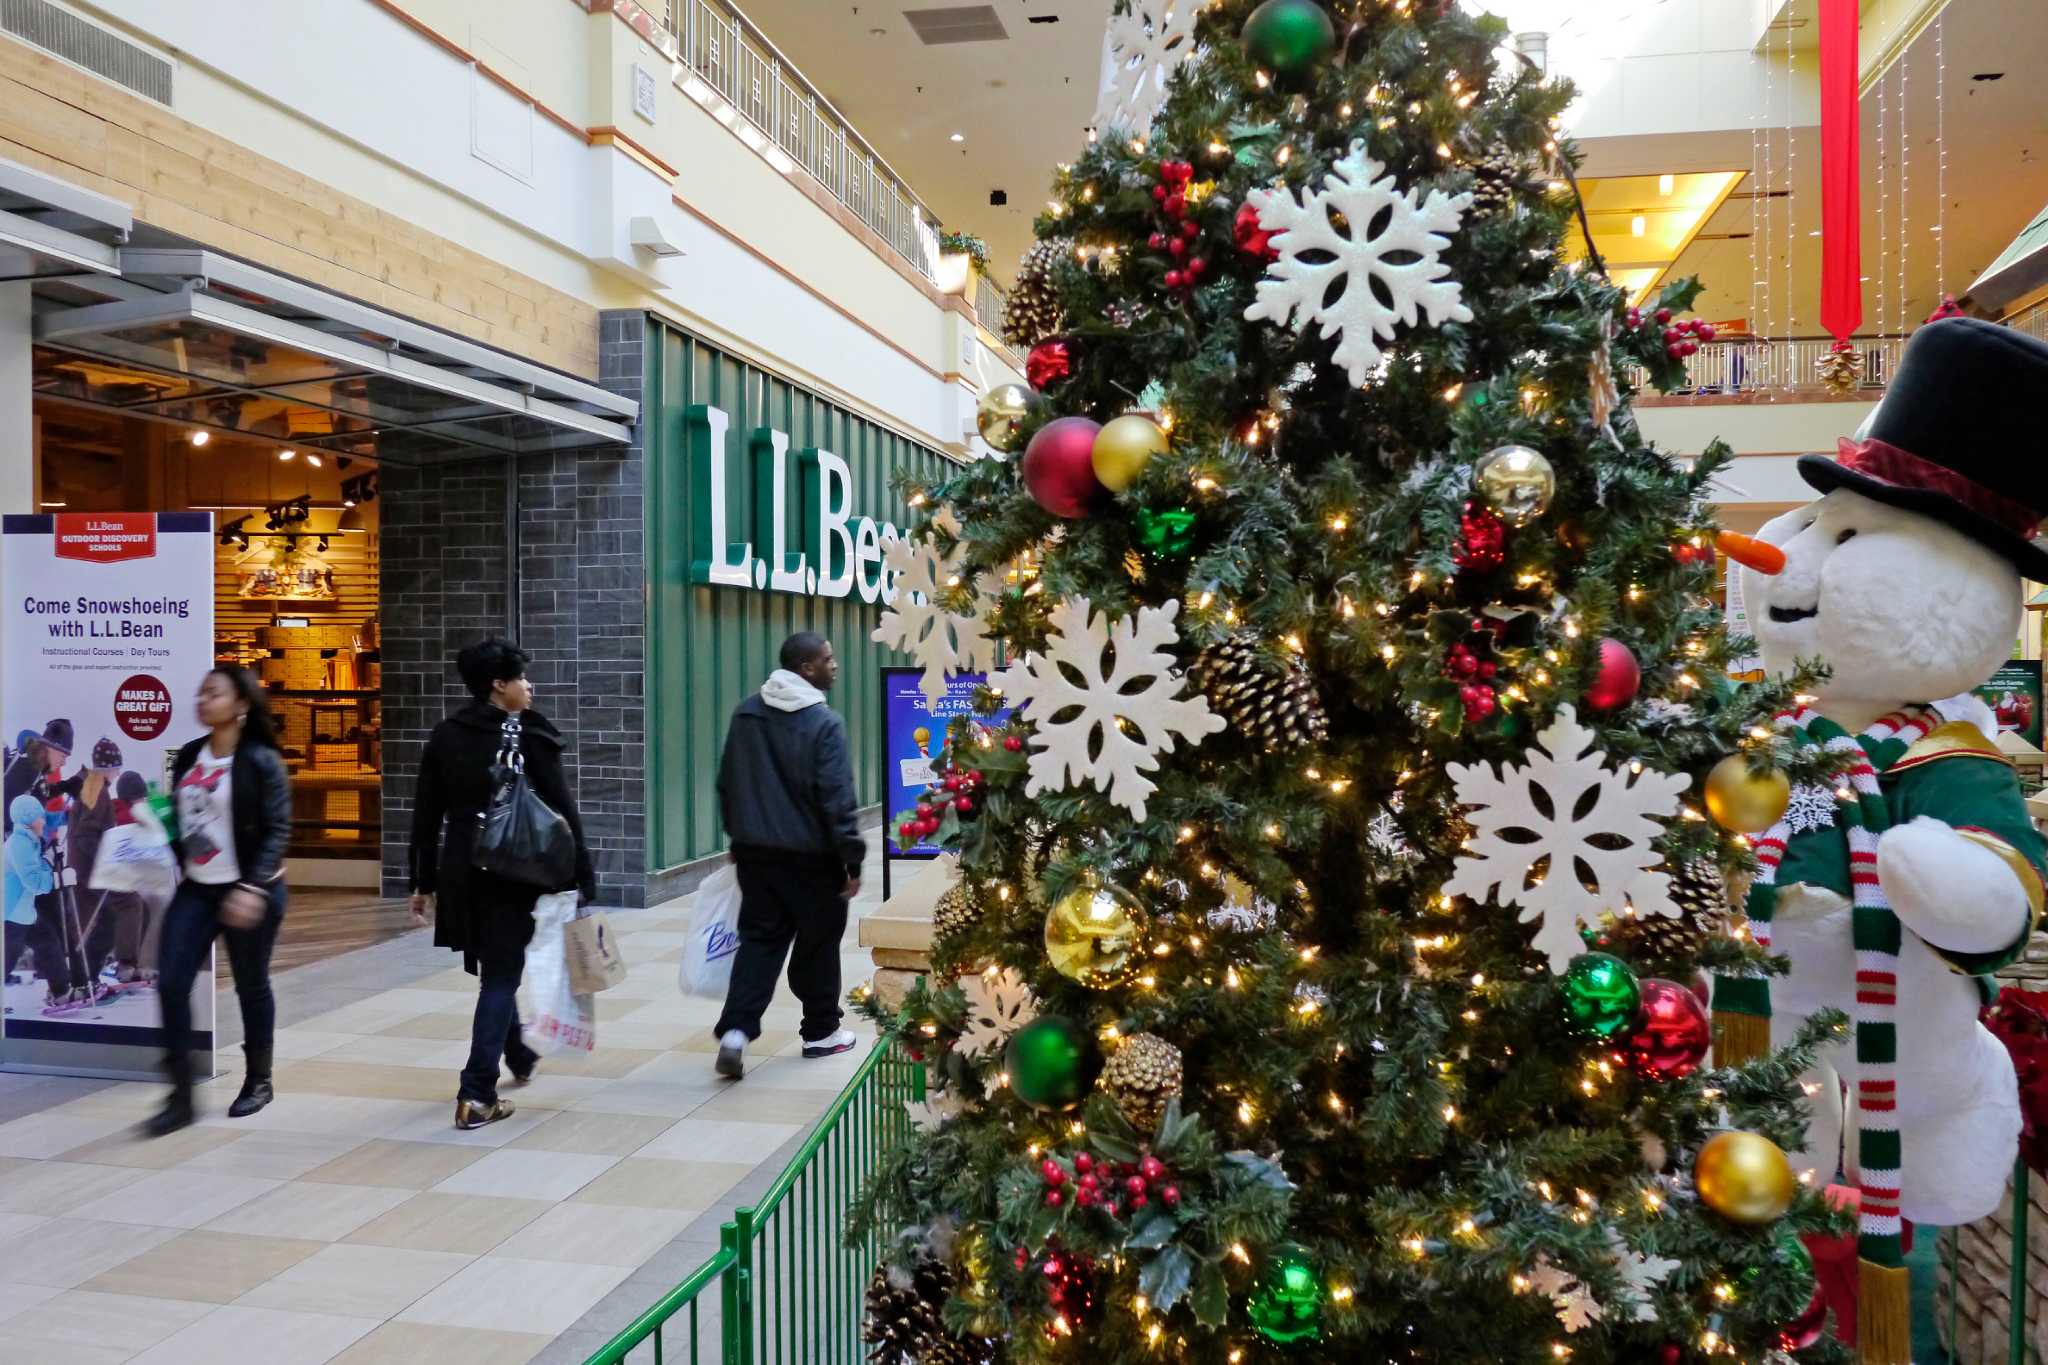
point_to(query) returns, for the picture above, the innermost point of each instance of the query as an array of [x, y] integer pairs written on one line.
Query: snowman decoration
[[1905, 579]]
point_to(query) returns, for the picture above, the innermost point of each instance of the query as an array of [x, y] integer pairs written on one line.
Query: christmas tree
[[1350, 823]]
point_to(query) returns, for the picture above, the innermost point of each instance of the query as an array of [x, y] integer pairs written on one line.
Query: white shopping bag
[[137, 858], [714, 936], [561, 1018]]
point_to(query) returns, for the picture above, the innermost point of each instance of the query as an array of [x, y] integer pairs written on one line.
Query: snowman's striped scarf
[[1877, 936]]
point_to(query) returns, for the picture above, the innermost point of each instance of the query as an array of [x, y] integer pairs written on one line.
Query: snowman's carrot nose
[[1751, 553]]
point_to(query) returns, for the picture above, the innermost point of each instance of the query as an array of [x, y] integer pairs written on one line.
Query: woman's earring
[[241, 717]]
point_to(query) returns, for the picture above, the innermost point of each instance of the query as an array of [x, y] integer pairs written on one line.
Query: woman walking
[[486, 918], [234, 820]]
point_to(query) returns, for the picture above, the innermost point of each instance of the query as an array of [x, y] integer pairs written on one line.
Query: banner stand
[[105, 632], [914, 741]]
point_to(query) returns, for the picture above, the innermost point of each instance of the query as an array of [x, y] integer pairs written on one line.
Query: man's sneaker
[[846, 1040], [473, 1114], [732, 1062]]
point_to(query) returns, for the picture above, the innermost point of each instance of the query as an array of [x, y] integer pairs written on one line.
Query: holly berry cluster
[[1069, 1288], [1685, 552], [956, 791], [1116, 1188], [1482, 539], [1474, 674], [1681, 339], [1179, 232]]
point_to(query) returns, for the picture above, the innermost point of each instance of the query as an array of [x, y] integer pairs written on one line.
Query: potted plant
[[962, 255]]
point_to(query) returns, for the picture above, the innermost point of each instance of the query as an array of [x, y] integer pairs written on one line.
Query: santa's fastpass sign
[[836, 553]]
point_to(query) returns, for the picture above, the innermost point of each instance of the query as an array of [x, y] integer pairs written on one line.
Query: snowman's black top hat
[[1958, 438]]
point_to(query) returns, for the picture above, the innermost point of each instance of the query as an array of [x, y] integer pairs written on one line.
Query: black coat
[[478, 914], [785, 787], [260, 794]]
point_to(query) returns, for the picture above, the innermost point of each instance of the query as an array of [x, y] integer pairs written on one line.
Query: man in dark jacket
[[785, 790]]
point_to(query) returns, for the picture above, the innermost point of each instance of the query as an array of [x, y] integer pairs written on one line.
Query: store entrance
[[296, 579]]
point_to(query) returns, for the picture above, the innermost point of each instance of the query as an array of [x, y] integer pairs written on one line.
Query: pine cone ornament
[[1141, 1076], [1701, 896], [1272, 700], [904, 1320], [1496, 182], [1034, 312], [957, 911]]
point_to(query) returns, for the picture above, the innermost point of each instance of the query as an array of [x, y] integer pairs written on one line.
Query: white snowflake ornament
[[1812, 807], [999, 1002], [1105, 720], [1596, 860], [1382, 267], [942, 642], [1140, 49], [1642, 1274]]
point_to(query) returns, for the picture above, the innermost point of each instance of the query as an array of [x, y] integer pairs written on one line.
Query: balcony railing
[[1790, 366], [989, 304], [741, 76]]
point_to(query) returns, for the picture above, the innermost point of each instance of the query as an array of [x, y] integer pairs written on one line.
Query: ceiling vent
[[98, 50], [962, 24]]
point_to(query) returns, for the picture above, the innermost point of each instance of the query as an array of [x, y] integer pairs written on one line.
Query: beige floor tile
[[412, 1343], [285, 1338], [47, 1134], [325, 1115], [611, 1011], [396, 1165], [176, 1199], [356, 1281], [379, 1082], [506, 1173], [724, 1141], [594, 1134], [86, 1326], [130, 1102], [293, 1044], [671, 1097], [453, 980], [449, 1222], [17, 1298], [764, 1106], [606, 1063], [385, 1050], [317, 1213], [364, 1017], [443, 1027], [768, 1044], [435, 1122], [517, 1296], [274, 1156], [70, 1251], [651, 1183], [130, 1146], [57, 1187], [794, 1071], [597, 1234], [203, 1267]]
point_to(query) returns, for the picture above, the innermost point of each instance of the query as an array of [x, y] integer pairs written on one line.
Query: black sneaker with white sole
[[832, 1045], [732, 1055]]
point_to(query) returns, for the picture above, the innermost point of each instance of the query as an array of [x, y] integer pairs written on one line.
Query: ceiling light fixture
[[199, 438], [286, 456], [313, 460], [1666, 184], [958, 137], [1639, 226]]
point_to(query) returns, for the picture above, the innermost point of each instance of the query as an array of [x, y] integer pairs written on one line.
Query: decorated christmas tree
[[1349, 822]]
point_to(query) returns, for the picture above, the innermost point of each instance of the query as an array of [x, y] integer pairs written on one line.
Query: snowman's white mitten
[[1954, 893]]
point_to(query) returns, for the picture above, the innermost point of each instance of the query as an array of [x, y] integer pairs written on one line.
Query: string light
[[1884, 199], [1791, 202], [1940, 156], [1905, 196]]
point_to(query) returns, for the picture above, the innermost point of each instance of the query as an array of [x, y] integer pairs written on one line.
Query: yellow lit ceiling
[[1642, 224]]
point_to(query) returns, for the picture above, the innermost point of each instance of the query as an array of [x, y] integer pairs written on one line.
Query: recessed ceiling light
[[959, 137], [199, 438], [313, 460], [287, 455], [1639, 225], [1666, 184]]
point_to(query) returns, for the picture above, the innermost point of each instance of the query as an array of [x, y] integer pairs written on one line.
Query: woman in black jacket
[[234, 820], [484, 917]]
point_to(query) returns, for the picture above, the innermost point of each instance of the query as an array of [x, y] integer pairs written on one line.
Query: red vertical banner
[[1841, 171]]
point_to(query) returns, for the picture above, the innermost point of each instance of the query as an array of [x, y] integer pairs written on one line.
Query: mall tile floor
[[350, 1221]]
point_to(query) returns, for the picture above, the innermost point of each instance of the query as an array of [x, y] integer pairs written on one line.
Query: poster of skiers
[[106, 632]]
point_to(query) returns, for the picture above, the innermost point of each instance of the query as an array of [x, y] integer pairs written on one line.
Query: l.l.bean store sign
[[837, 553]]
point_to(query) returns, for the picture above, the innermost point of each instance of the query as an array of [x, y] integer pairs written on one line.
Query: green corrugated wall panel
[[707, 646]]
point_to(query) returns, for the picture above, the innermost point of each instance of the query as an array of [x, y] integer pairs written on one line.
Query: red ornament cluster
[[1050, 361], [1178, 234], [1482, 539], [1673, 1036], [956, 790], [1681, 339], [2020, 1021], [1685, 552], [1117, 1188], [1252, 239], [1069, 1288], [1474, 675]]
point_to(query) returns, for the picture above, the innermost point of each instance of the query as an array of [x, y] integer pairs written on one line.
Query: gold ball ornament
[[1742, 802], [1000, 413], [1516, 482], [1744, 1178], [1093, 935], [1123, 448]]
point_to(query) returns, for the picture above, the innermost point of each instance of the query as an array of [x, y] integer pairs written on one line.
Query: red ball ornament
[[1173, 279], [1196, 268], [908, 829], [1083, 1162], [1176, 205], [1058, 467], [1615, 677], [1053, 1199], [1688, 349], [1170, 1196], [1804, 1330], [1152, 1168], [1159, 193], [1669, 1354], [1673, 335], [1482, 539], [1635, 318], [1674, 1035], [1177, 248], [1049, 362], [964, 804], [1050, 1169], [924, 811], [1190, 228], [1663, 315], [1157, 241], [1013, 743], [1705, 331], [1135, 1186]]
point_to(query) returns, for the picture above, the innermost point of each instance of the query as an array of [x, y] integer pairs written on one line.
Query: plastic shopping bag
[[135, 858], [714, 936], [561, 1018]]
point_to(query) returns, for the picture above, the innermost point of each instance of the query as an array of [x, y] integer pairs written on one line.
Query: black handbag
[[520, 837]]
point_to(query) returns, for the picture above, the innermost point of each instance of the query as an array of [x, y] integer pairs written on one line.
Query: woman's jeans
[[190, 925], [495, 1032]]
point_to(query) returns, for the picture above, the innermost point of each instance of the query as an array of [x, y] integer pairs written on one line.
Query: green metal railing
[[790, 1288], [1985, 1349]]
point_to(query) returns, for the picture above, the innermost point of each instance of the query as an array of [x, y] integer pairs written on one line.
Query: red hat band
[[1903, 469]]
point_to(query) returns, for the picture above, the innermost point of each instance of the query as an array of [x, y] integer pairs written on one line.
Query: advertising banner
[[915, 738], [2013, 693], [106, 632]]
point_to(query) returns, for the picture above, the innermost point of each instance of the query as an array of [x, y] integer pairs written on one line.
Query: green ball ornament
[[1789, 1256], [1286, 1305], [1290, 36], [1165, 534], [1601, 997], [1052, 1063]]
